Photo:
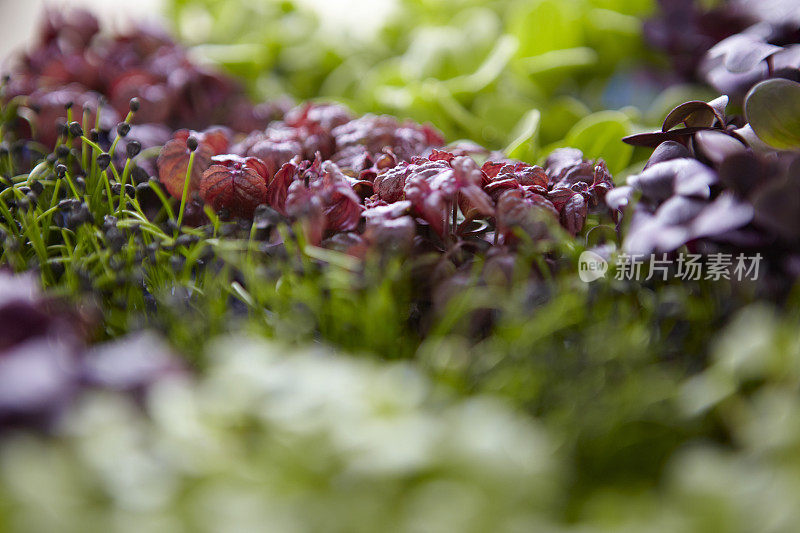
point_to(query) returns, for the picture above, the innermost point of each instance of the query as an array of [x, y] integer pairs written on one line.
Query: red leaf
[[278, 188], [492, 169], [573, 215], [389, 185], [326, 204], [531, 175], [303, 205], [342, 205], [377, 132], [524, 173], [326, 116], [498, 187], [560, 196], [275, 152], [520, 208], [235, 183], [474, 202], [390, 225], [437, 155], [173, 160], [428, 202]]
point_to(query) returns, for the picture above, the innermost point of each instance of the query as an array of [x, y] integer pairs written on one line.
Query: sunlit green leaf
[[773, 110]]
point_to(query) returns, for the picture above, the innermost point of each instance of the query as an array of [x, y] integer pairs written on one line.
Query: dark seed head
[[116, 239], [103, 160], [51, 159], [139, 175], [264, 216], [67, 204], [37, 187], [207, 254], [136, 277], [84, 279], [62, 151], [61, 129], [69, 105], [176, 262], [83, 215], [94, 135], [133, 105], [191, 143], [123, 128], [142, 188], [116, 265], [57, 269], [116, 189], [75, 129], [61, 171], [185, 240], [109, 221], [130, 190], [133, 149]]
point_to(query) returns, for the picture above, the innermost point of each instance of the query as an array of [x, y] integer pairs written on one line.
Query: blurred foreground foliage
[[311, 440]]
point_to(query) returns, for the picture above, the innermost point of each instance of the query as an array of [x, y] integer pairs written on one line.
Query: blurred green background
[[524, 76]]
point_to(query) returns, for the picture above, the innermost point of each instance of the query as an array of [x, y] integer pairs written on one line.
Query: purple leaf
[[724, 214], [716, 145], [667, 151], [696, 114], [619, 198], [742, 52], [130, 363]]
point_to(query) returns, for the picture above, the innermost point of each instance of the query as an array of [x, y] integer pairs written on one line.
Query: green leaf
[[773, 110], [524, 134], [489, 70], [559, 116], [545, 25], [553, 60], [600, 136]]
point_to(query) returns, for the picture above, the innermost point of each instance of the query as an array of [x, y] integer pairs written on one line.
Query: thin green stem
[[185, 194]]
